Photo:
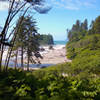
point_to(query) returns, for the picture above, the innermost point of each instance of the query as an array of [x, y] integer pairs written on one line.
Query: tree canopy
[[27, 40], [78, 30]]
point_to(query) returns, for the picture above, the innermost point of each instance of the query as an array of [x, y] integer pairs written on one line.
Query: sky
[[62, 16]]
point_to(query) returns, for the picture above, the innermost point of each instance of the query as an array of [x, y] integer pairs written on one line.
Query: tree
[[27, 40], [97, 25], [91, 30], [20, 38], [15, 7], [84, 25], [31, 42], [77, 26], [78, 30]]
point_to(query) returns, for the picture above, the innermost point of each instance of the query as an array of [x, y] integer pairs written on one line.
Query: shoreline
[[54, 56]]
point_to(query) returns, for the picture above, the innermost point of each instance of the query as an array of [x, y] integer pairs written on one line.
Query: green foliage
[[78, 31], [49, 86], [90, 42], [85, 55], [85, 66], [96, 25], [27, 33]]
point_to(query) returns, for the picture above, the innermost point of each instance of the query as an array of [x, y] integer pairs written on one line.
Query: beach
[[56, 55]]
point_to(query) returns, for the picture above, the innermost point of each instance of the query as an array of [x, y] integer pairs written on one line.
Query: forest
[[76, 80]]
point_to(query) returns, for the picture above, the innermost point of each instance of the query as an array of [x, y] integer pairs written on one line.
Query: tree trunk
[[4, 33], [22, 58], [28, 60], [9, 54], [16, 59]]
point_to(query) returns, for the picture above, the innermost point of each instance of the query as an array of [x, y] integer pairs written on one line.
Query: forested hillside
[[85, 52]]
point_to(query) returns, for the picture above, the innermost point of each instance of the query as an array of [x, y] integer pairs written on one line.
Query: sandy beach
[[54, 56]]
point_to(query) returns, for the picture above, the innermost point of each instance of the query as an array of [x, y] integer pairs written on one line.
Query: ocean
[[60, 42]]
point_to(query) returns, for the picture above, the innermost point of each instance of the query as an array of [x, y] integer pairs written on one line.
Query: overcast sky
[[63, 15]]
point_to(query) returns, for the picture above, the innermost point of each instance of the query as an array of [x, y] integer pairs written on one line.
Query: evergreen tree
[[84, 25], [91, 30], [78, 30], [27, 40], [77, 25], [97, 25]]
